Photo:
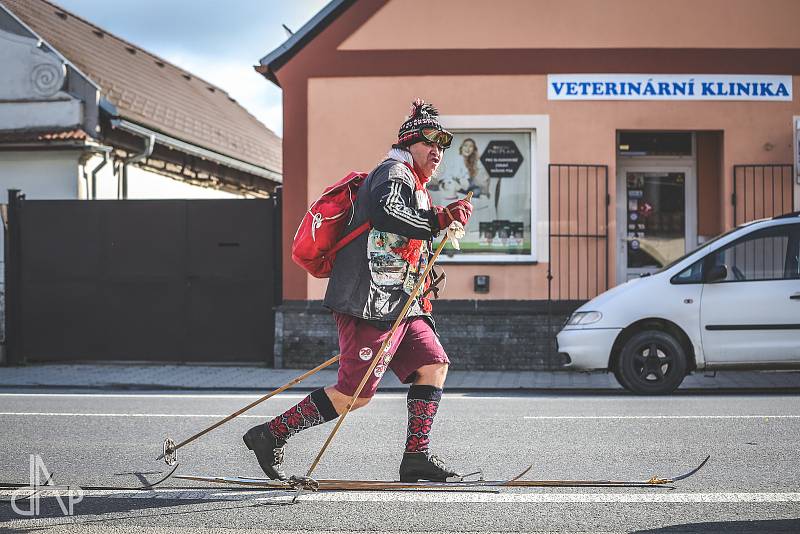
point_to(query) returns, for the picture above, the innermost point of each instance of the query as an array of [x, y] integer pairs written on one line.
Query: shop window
[[496, 166], [655, 144]]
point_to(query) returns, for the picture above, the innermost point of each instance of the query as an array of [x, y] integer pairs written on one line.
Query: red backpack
[[318, 238]]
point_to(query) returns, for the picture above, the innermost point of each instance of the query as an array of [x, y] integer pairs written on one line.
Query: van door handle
[[796, 296]]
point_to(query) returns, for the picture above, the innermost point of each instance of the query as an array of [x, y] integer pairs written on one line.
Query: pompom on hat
[[423, 115]]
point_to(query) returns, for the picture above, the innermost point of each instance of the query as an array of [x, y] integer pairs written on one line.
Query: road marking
[[532, 417], [147, 396], [553, 497], [69, 414], [536, 495], [579, 417], [284, 395]]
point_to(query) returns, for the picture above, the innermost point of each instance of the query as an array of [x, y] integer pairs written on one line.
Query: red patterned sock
[[423, 402], [314, 410]]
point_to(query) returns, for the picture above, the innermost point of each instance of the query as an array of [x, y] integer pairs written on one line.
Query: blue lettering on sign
[[572, 88], [671, 88], [742, 89]]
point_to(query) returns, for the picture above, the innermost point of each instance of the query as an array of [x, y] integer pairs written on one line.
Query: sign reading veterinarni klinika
[[668, 87]]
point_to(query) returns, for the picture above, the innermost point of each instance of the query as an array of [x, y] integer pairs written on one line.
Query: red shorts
[[413, 345]]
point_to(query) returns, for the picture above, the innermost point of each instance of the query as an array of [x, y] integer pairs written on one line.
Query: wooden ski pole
[[170, 449], [378, 357]]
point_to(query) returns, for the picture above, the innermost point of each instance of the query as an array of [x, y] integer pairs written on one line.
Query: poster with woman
[[496, 168]]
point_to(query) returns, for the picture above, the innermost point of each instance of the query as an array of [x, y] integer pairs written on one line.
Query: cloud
[[218, 41], [207, 27]]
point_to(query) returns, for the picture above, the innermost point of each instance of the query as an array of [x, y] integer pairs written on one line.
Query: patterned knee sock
[[423, 402], [314, 410]]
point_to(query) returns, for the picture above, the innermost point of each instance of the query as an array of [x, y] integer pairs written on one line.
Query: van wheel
[[651, 362]]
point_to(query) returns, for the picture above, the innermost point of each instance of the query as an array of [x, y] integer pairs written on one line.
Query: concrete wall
[[477, 335]]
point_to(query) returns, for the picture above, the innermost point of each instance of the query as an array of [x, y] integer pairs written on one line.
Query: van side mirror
[[716, 273]]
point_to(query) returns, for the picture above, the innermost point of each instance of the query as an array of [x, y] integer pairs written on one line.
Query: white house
[[87, 115]]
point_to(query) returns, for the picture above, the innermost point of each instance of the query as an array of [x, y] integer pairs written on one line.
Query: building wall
[[40, 174], [494, 57], [581, 24], [143, 184], [580, 132], [483, 335], [347, 90]]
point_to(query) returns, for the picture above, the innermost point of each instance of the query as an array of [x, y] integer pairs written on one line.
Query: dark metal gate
[[761, 191], [578, 240], [578, 237], [155, 280]]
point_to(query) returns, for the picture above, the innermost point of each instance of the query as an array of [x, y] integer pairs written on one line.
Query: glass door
[[656, 216]]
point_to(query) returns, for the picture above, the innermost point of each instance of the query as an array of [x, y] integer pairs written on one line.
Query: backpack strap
[[350, 237]]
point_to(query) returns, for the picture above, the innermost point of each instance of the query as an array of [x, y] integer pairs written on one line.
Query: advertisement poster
[[496, 167]]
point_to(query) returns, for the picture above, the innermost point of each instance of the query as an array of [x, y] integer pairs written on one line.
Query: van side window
[[768, 254], [690, 275]]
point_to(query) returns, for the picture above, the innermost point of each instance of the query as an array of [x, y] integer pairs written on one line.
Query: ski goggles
[[443, 138]]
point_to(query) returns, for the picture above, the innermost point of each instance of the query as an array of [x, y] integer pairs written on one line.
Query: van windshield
[[701, 247]]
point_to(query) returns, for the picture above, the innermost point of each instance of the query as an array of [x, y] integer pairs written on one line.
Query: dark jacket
[[371, 279]]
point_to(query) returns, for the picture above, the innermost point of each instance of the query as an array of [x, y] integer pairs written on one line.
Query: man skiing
[[369, 285]]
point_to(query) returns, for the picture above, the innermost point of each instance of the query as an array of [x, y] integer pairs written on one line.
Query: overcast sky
[[215, 39]]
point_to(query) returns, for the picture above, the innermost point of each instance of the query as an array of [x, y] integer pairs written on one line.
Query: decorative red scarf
[[412, 250]]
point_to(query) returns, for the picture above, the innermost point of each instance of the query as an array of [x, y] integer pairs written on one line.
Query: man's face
[[427, 157]]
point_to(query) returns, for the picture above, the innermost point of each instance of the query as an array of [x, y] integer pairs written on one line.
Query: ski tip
[[156, 483], [692, 472], [525, 472], [519, 476]]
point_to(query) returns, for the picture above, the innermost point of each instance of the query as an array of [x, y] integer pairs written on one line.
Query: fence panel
[[761, 191]]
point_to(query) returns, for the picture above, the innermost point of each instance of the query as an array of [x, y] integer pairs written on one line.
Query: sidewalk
[[261, 379]]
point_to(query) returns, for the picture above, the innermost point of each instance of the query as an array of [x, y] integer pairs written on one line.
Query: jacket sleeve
[[393, 207]]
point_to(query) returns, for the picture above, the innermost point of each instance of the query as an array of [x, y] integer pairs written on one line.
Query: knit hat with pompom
[[423, 115]]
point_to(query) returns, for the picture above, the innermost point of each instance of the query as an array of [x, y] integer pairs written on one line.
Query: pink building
[[601, 140]]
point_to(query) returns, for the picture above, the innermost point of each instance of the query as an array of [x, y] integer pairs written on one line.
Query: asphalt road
[[751, 483]]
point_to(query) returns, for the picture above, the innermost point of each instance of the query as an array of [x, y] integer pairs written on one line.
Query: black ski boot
[[268, 449], [423, 465]]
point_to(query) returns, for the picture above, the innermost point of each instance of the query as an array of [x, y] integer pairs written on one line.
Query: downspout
[[150, 143], [94, 175]]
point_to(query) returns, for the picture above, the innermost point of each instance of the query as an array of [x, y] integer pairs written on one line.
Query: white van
[[732, 303]]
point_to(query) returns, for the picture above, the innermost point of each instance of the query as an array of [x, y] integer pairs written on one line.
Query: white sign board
[[669, 87]]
